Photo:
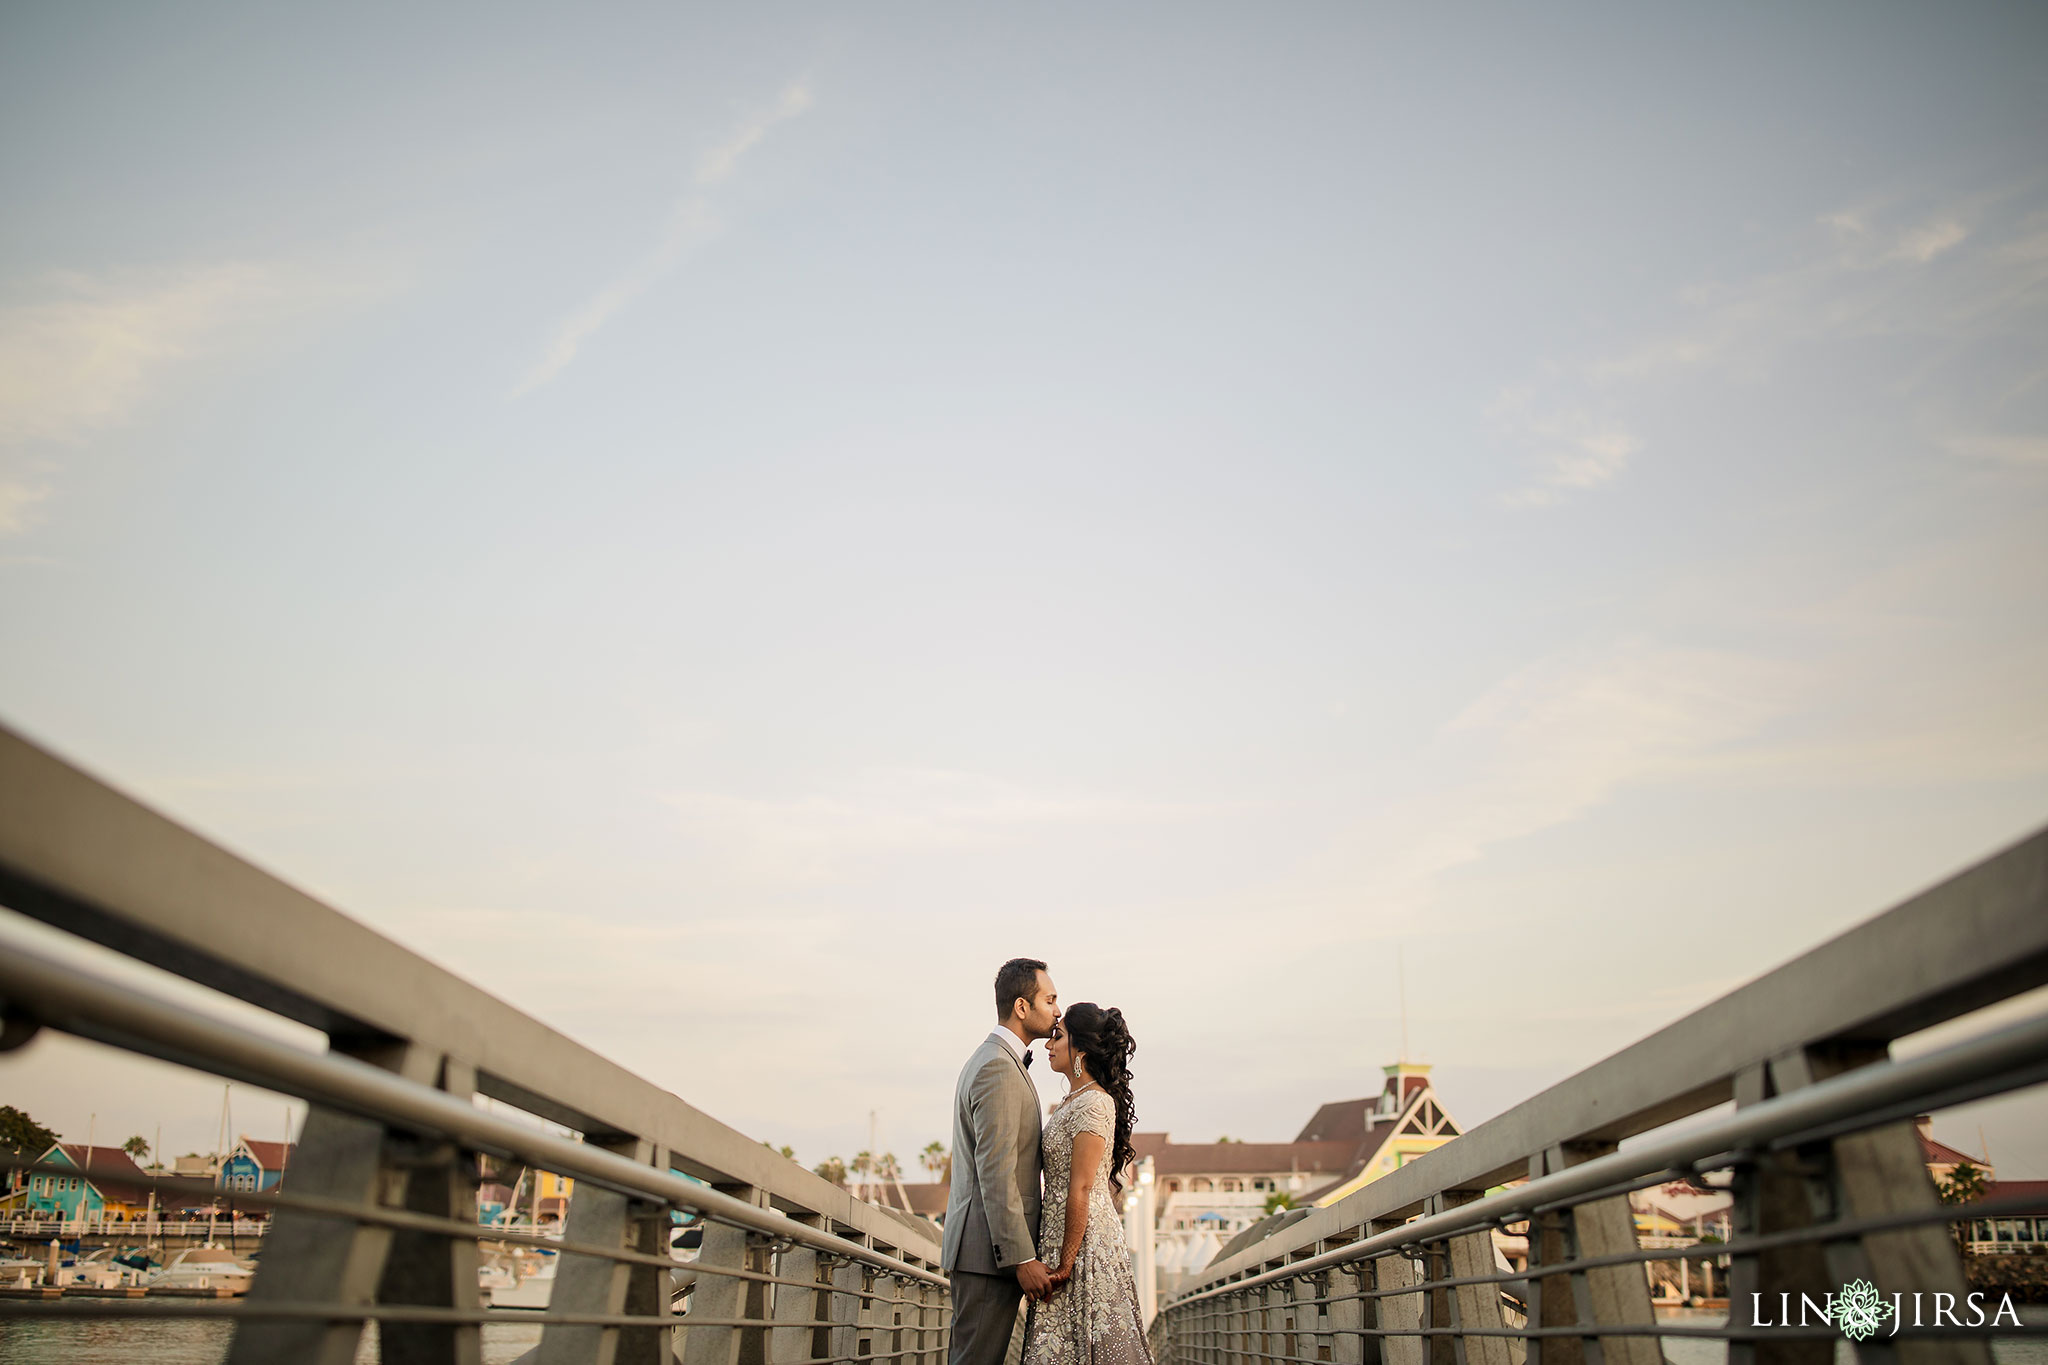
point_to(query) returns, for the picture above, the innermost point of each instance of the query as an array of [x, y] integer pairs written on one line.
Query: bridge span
[[1788, 1089]]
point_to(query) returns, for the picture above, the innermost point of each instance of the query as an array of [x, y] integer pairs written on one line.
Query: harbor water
[[190, 1343]]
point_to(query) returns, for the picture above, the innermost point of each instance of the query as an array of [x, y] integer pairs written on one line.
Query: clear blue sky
[[722, 527]]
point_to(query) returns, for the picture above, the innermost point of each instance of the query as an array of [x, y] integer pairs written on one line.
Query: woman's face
[[1059, 1051]]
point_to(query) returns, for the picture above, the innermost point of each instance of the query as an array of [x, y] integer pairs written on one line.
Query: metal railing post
[[1441, 1350], [867, 1312], [1603, 1295], [1769, 1193], [432, 1269], [847, 1280], [1473, 1305], [1315, 1306], [1401, 1312], [1880, 1171], [1552, 1301], [317, 1257], [331, 1258], [927, 1308], [1346, 1316], [596, 1284], [728, 1297], [896, 1308], [795, 1337], [1266, 1313]]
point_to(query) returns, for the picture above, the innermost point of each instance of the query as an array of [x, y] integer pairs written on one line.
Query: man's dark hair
[[1017, 980]]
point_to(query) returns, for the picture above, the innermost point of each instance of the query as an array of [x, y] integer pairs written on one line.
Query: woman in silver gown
[[1090, 1316]]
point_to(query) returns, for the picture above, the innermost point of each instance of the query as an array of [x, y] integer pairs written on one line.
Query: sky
[[722, 527]]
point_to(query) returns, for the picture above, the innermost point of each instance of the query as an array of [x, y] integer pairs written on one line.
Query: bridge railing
[[377, 1220], [1818, 1151]]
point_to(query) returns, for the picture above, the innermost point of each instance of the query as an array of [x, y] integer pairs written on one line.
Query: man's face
[[1038, 1015]]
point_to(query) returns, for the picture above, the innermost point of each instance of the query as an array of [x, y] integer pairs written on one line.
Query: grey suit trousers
[[984, 1315]]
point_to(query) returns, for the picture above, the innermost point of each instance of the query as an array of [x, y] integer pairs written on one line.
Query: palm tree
[[886, 1168], [1965, 1184], [832, 1169], [136, 1147], [934, 1158], [862, 1163]]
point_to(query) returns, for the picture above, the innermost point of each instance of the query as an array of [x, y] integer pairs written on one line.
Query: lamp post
[[1145, 1269]]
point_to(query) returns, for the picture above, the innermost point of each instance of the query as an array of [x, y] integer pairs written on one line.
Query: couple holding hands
[[1062, 1248]]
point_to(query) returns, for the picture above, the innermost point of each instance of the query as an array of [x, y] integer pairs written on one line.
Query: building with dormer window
[[255, 1166]]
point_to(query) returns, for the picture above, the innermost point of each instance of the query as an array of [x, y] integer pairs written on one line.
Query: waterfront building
[[554, 1192], [1943, 1159], [535, 1197], [253, 1165], [1224, 1187], [1209, 1192], [108, 1185], [1388, 1131], [2022, 1234], [927, 1198]]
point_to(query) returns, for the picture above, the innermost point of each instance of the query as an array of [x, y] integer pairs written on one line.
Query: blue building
[[108, 1185], [254, 1165]]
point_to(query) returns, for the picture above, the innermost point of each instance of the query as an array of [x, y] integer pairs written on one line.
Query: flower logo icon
[[1859, 1311]]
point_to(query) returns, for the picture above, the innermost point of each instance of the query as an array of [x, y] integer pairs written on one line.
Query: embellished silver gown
[[1094, 1319]]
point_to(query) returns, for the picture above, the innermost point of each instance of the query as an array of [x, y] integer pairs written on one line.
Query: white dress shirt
[[1017, 1049]]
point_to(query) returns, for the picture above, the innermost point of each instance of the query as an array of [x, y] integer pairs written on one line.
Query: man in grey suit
[[991, 1249]]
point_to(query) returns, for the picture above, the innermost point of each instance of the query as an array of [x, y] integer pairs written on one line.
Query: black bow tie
[[1027, 1060]]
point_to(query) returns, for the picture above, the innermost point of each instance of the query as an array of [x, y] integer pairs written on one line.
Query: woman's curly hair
[[1104, 1043]]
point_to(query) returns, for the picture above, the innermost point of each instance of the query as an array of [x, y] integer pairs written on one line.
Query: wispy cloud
[[1923, 244], [17, 505], [1575, 449], [906, 809], [80, 360], [720, 162], [2026, 452], [84, 355], [1862, 243], [690, 224], [1581, 424], [1545, 747], [1556, 739]]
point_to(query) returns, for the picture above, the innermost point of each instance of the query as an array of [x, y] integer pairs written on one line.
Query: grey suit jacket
[[992, 1213]]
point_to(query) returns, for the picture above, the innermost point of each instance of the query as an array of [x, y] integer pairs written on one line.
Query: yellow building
[[1222, 1188], [550, 1193], [1389, 1130]]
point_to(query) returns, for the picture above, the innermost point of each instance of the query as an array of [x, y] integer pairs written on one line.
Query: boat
[[517, 1277], [20, 1272], [97, 1271], [203, 1267]]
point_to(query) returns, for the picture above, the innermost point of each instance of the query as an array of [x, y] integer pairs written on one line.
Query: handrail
[[97, 863], [1977, 937], [380, 1222], [1998, 1061], [93, 1006]]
